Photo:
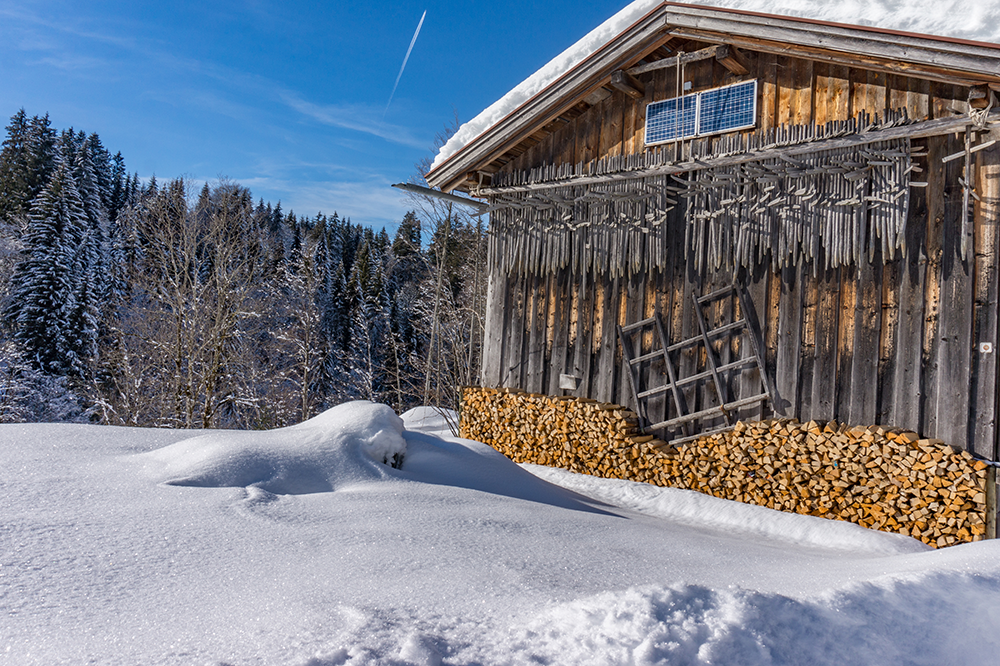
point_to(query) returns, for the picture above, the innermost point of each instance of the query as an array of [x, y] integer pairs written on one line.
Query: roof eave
[[958, 61]]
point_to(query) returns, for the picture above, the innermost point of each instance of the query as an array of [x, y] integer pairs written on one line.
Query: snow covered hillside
[[301, 546]]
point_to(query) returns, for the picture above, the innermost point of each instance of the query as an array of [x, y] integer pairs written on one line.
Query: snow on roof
[[958, 19]]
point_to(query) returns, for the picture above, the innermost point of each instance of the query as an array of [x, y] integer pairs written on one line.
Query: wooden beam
[[732, 60], [679, 58], [970, 58], [873, 61], [979, 97], [919, 130], [628, 84]]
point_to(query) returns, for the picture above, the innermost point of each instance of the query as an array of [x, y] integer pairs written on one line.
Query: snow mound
[[431, 421], [350, 443], [435, 456], [914, 620], [959, 19], [700, 510]]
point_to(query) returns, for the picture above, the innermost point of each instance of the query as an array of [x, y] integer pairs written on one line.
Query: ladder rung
[[646, 357], [654, 391], [690, 438], [638, 324], [708, 412], [715, 294], [714, 332], [722, 368]]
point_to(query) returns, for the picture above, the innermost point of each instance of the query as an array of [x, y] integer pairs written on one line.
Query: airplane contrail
[[405, 58]]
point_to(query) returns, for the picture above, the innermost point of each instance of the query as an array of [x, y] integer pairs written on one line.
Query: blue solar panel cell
[[710, 112], [669, 121], [729, 108]]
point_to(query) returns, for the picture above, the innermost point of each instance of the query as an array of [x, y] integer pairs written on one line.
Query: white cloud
[[355, 117]]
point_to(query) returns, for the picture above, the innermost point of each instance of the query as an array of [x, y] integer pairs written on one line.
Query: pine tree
[[45, 283], [27, 161]]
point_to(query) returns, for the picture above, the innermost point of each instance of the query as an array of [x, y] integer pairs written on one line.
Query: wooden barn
[[720, 215]]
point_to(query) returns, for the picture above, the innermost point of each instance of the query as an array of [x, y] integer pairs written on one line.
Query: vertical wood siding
[[886, 342]]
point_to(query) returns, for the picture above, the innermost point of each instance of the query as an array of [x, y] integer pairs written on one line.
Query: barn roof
[[643, 32]]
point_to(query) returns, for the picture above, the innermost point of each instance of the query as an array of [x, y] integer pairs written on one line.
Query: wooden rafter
[[628, 84]]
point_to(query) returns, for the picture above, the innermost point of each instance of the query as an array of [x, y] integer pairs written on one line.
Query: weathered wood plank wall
[[893, 343]]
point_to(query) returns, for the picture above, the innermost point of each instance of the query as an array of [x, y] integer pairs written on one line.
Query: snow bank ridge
[[350, 443]]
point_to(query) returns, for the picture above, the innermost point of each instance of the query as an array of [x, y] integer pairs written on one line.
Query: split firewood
[[878, 477]]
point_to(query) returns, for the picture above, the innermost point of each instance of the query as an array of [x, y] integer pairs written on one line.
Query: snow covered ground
[[300, 546]]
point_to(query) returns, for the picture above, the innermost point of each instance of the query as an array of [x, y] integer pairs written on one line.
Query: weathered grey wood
[[604, 381], [824, 370], [688, 361], [668, 364], [944, 60], [984, 368], [679, 59], [807, 346], [932, 288], [635, 296], [496, 296], [865, 358], [885, 58], [628, 84], [709, 411], [888, 337], [789, 341], [632, 375], [535, 353], [705, 374], [561, 323], [991, 503], [732, 60], [582, 340], [720, 387], [954, 327], [907, 395], [845, 343], [513, 369]]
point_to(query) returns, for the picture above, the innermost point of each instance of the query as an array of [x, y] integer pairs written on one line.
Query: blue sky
[[286, 98]]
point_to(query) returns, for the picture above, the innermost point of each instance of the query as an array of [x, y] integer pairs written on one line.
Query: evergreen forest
[[169, 304]]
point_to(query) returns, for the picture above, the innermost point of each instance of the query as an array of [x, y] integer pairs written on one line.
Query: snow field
[[299, 546]]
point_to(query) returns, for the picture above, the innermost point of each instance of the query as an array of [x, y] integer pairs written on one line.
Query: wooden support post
[[675, 60], [991, 502], [628, 84], [731, 59]]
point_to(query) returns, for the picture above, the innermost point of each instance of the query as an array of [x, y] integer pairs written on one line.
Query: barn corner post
[[991, 502]]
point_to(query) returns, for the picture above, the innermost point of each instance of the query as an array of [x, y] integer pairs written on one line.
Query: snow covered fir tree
[[166, 304]]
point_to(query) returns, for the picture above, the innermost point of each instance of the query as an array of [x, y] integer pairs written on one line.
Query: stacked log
[[881, 478]]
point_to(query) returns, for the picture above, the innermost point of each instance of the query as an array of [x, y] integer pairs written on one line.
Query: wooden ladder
[[714, 371]]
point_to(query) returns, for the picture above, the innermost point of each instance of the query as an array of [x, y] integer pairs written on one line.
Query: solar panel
[[730, 108], [713, 111], [668, 120]]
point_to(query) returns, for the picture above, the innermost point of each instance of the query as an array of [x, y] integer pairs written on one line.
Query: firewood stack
[[881, 478]]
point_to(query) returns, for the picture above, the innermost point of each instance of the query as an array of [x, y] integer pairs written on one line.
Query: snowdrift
[[347, 444], [303, 546]]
